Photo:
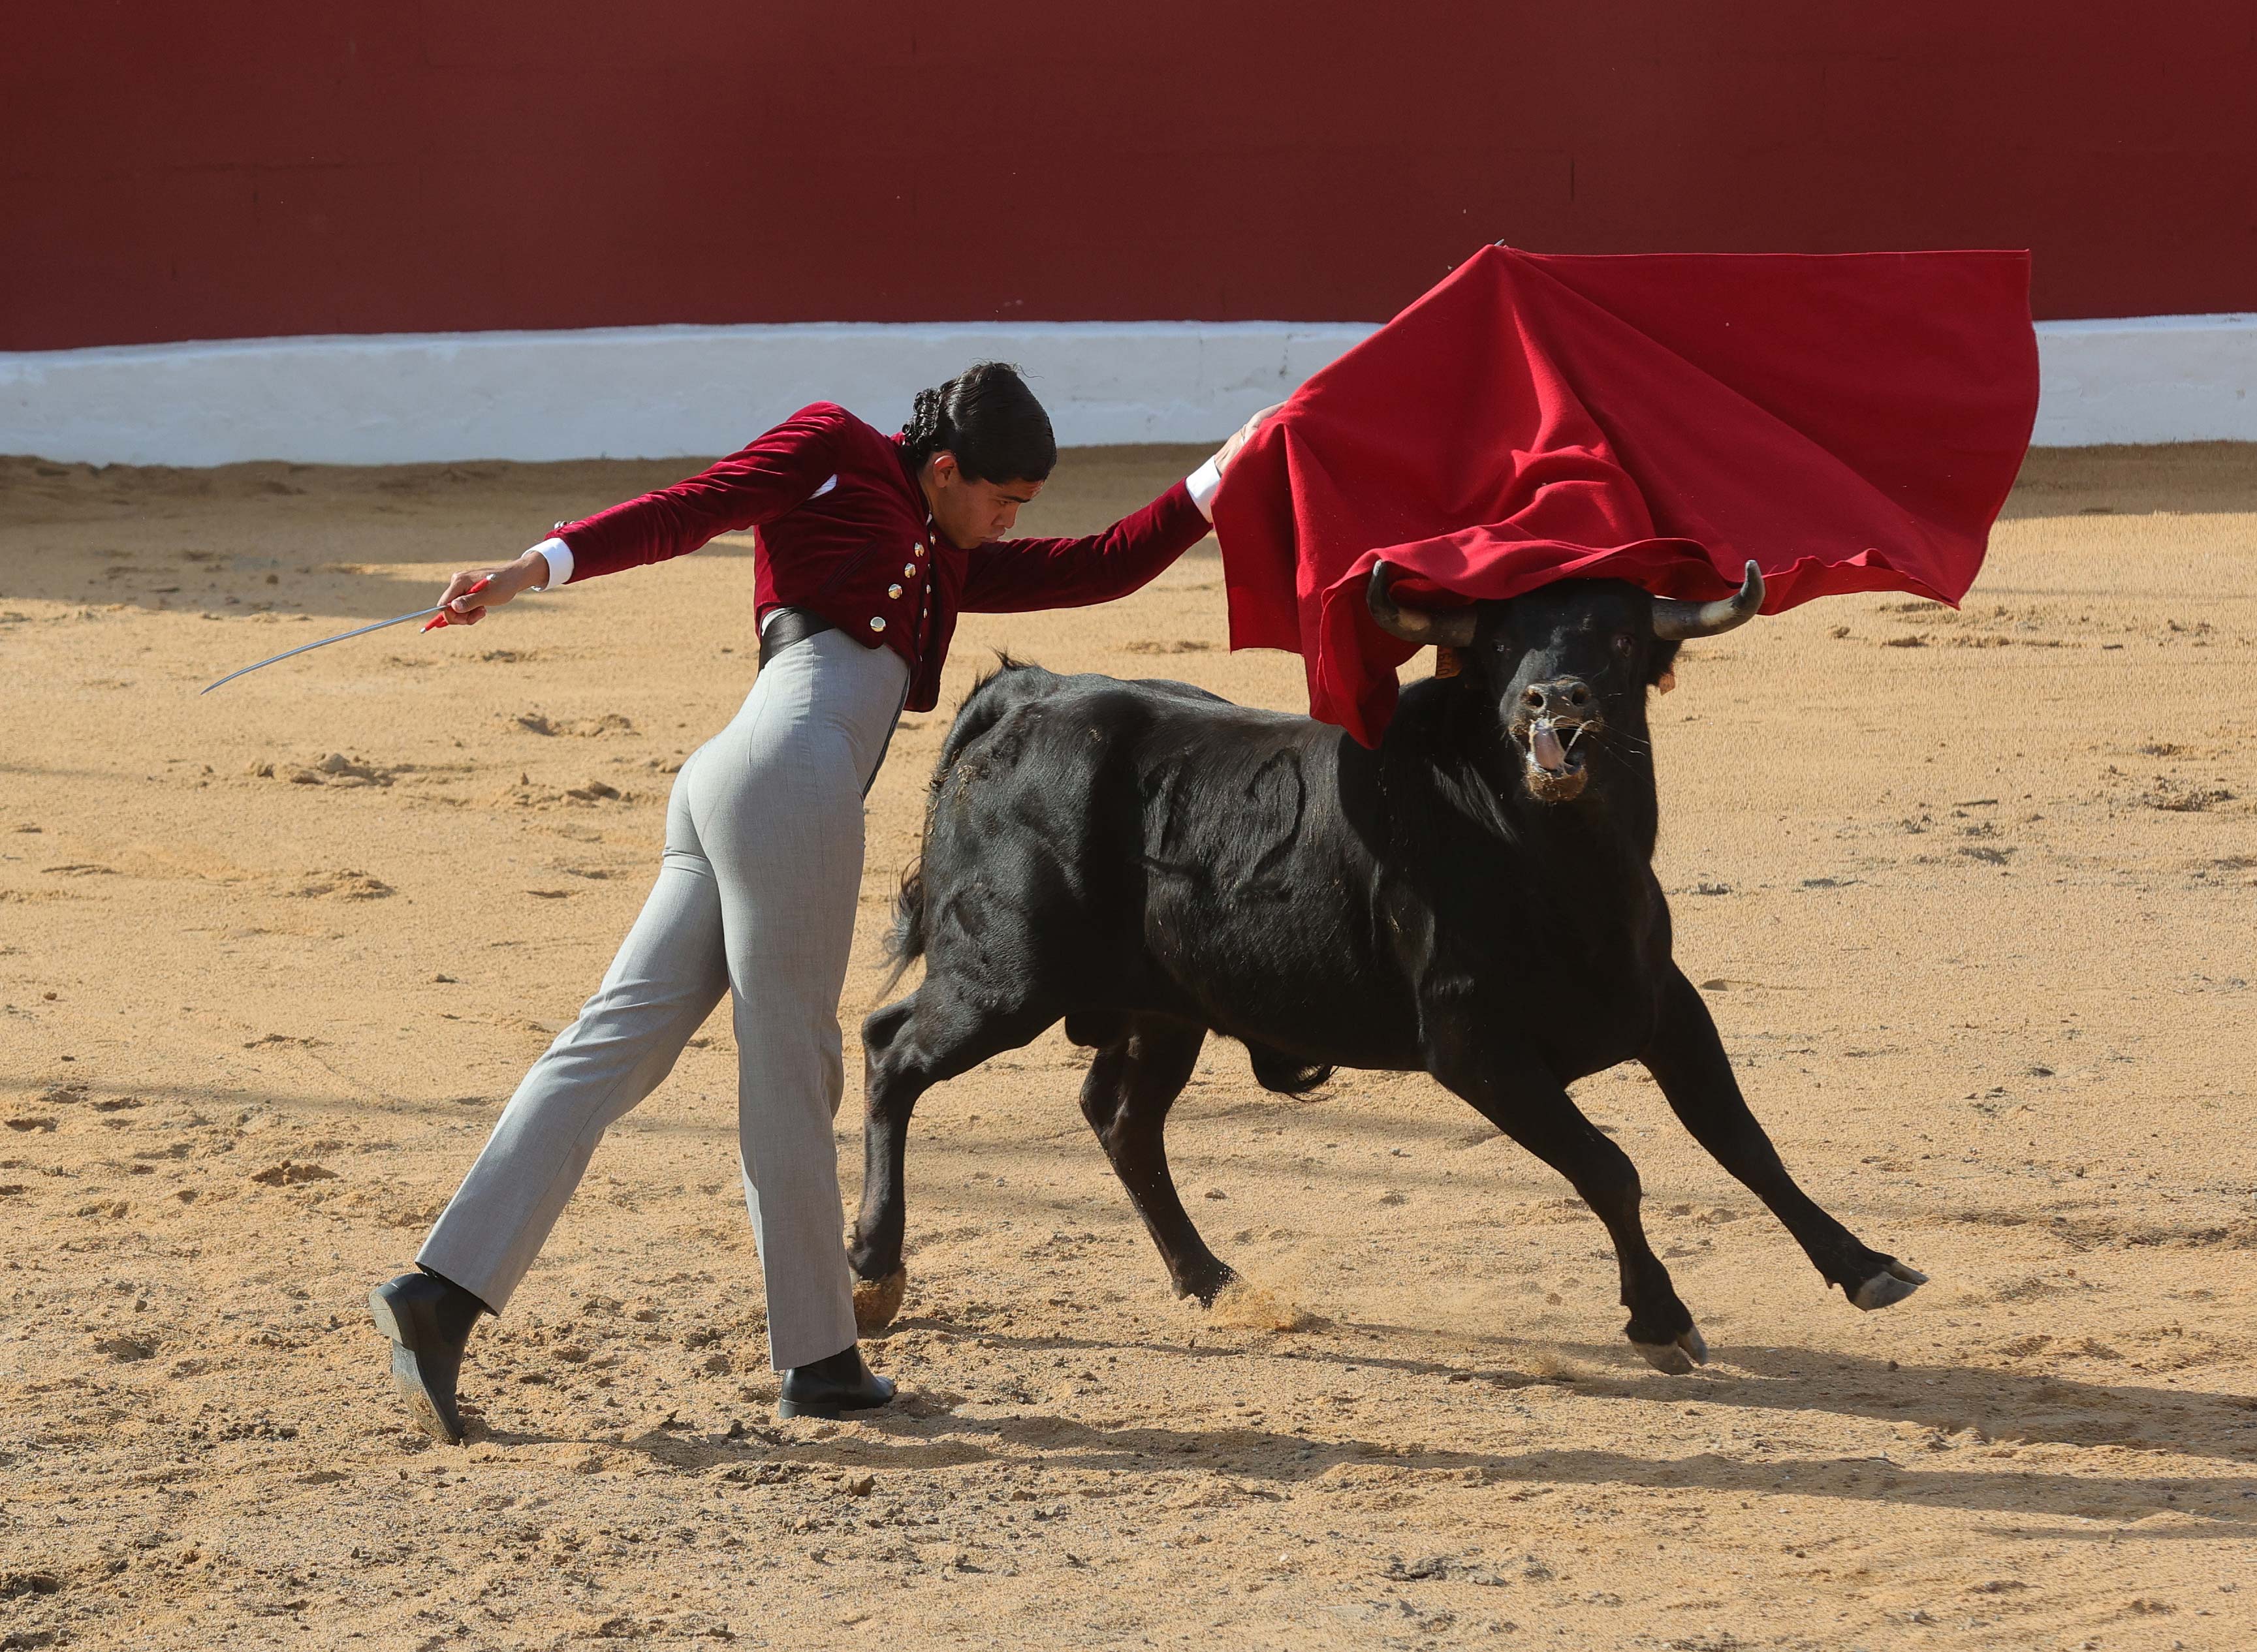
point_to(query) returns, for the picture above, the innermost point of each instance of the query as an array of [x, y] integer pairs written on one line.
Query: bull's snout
[[1548, 719], [1562, 700]]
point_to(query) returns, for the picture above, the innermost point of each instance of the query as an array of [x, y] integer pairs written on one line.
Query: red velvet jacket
[[842, 529]]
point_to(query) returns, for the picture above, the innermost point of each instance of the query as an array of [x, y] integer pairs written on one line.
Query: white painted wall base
[[666, 391], [2150, 379], [624, 392]]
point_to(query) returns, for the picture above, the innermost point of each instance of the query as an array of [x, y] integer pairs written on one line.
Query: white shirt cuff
[[558, 555], [1203, 484]]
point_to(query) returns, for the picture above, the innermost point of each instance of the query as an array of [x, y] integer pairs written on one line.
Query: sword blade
[[342, 636]]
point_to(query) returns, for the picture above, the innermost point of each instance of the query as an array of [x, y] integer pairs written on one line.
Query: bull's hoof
[[1674, 1357], [876, 1301], [1892, 1285], [1204, 1288]]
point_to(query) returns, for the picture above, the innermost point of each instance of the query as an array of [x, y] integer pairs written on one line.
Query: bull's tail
[[906, 944], [982, 707]]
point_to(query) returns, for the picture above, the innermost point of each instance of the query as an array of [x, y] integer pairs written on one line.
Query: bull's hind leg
[[1687, 1060], [1536, 1111], [1132, 1082], [908, 1047]]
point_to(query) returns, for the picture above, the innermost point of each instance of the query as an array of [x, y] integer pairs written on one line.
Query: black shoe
[[830, 1388], [428, 1319]]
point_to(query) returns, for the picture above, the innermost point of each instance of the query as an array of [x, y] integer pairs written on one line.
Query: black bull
[[1474, 899]]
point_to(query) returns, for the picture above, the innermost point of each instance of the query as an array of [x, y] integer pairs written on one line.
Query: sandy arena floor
[[1971, 893]]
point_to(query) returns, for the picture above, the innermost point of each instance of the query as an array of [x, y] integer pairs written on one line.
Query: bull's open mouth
[[1552, 757]]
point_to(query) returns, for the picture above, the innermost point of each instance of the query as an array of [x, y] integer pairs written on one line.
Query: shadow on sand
[[937, 1428]]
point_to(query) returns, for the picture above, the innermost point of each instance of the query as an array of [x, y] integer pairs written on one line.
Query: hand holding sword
[[468, 596], [474, 589]]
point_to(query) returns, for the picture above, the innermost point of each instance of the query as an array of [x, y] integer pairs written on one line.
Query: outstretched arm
[[757, 484], [1015, 575]]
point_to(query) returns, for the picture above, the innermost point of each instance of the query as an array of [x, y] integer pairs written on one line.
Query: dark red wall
[[249, 167]]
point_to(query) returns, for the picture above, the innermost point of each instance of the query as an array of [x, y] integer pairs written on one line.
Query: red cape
[[1850, 422]]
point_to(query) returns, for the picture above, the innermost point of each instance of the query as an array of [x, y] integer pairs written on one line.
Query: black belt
[[787, 625]]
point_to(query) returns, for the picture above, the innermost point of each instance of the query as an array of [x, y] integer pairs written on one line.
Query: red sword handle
[[440, 619]]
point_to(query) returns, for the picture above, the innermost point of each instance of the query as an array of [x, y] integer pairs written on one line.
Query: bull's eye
[[1625, 644]]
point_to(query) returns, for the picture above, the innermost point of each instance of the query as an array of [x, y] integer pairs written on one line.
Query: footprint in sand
[[335, 769], [291, 1173], [580, 728], [2184, 797], [527, 794], [344, 885]]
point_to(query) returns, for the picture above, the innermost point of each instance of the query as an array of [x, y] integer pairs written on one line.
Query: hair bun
[[927, 416], [989, 420]]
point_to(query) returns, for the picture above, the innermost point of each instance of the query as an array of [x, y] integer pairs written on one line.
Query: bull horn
[[1445, 628], [1675, 621]]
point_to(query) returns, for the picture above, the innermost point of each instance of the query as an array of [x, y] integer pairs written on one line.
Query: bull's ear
[[1660, 662]]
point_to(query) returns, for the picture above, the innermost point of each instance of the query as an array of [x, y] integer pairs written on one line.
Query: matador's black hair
[[990, 420]]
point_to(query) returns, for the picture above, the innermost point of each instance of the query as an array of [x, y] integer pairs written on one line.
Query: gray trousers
[[756, 897]]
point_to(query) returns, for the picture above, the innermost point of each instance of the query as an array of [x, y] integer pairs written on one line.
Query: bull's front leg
[[1687, 1060], [1517, 1096]]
